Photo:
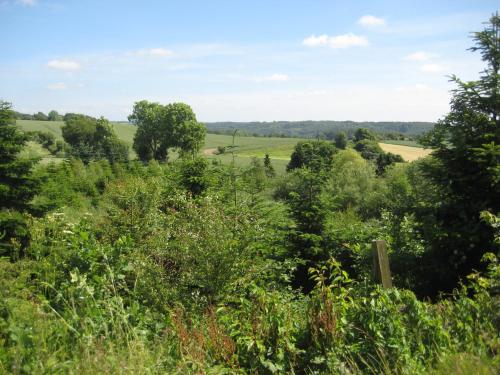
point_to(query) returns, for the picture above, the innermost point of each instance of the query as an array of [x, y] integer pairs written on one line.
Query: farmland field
[[402, 143], [124, 130], [279, 149], [408, 153]]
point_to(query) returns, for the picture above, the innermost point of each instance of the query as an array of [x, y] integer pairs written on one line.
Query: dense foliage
[[190, 267], [17, 185], [93, 139], [130, 271], [160, 127], [466, 172], [315, 155], [314, 129]]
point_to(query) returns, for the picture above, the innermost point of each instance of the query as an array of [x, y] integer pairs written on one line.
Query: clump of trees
[[366, 143], [341, 140], [48, 141], [316, 155], [163, 127], [39, 116], [93, 139], [195, 267]]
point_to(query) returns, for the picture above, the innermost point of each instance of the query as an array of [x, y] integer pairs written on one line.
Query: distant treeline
[[39, 116], [322, 129], [295, 129]]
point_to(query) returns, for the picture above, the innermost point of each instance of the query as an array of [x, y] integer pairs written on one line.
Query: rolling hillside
[[312, 129], [278, 148]]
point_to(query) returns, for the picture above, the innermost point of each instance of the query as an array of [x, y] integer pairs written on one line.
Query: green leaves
[[17, 185], [315, 155], [161, 127], [467, 173], [92, 139]]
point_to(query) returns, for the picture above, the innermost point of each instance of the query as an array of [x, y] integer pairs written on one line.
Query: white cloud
[[338, 41], [63, 65], [26, 3], [369, 21], [315, 41], [158, 52], [432, 68], [361, 103], [276, 77], [57, 86], [421, 86], [348, 40], [419, 56]]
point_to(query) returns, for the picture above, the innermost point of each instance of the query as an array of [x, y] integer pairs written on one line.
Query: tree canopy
[[341, 140], [17, 185], [40, 116], [92, 139], [316, 155], [160, 127], [467, 148], [53, 116]]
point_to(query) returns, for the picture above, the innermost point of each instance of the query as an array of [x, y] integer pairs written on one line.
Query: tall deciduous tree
[[53, 115], [467, 148], [161, 127]]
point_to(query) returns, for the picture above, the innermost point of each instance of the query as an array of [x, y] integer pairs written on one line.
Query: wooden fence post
[[381, 271]]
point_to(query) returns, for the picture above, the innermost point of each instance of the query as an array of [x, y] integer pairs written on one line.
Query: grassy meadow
[[279, 149]]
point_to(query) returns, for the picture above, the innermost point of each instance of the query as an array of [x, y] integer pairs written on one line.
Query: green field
[[123, 130], [279, 149], [53, 127]]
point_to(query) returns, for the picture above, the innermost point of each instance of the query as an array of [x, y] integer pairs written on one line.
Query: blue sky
[[240, 60]]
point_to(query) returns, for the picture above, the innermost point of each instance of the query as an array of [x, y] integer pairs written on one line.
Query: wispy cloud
[[26, 3], [57, 86], [419, 56], [371, 21], [276, 77], [336, 42], [432, 68], [421, 86], [156, 52], [68, 65], [334, 103]]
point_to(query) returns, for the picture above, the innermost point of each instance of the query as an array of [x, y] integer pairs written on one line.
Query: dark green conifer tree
[[270, 172], [17, 185], [467, 149]]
